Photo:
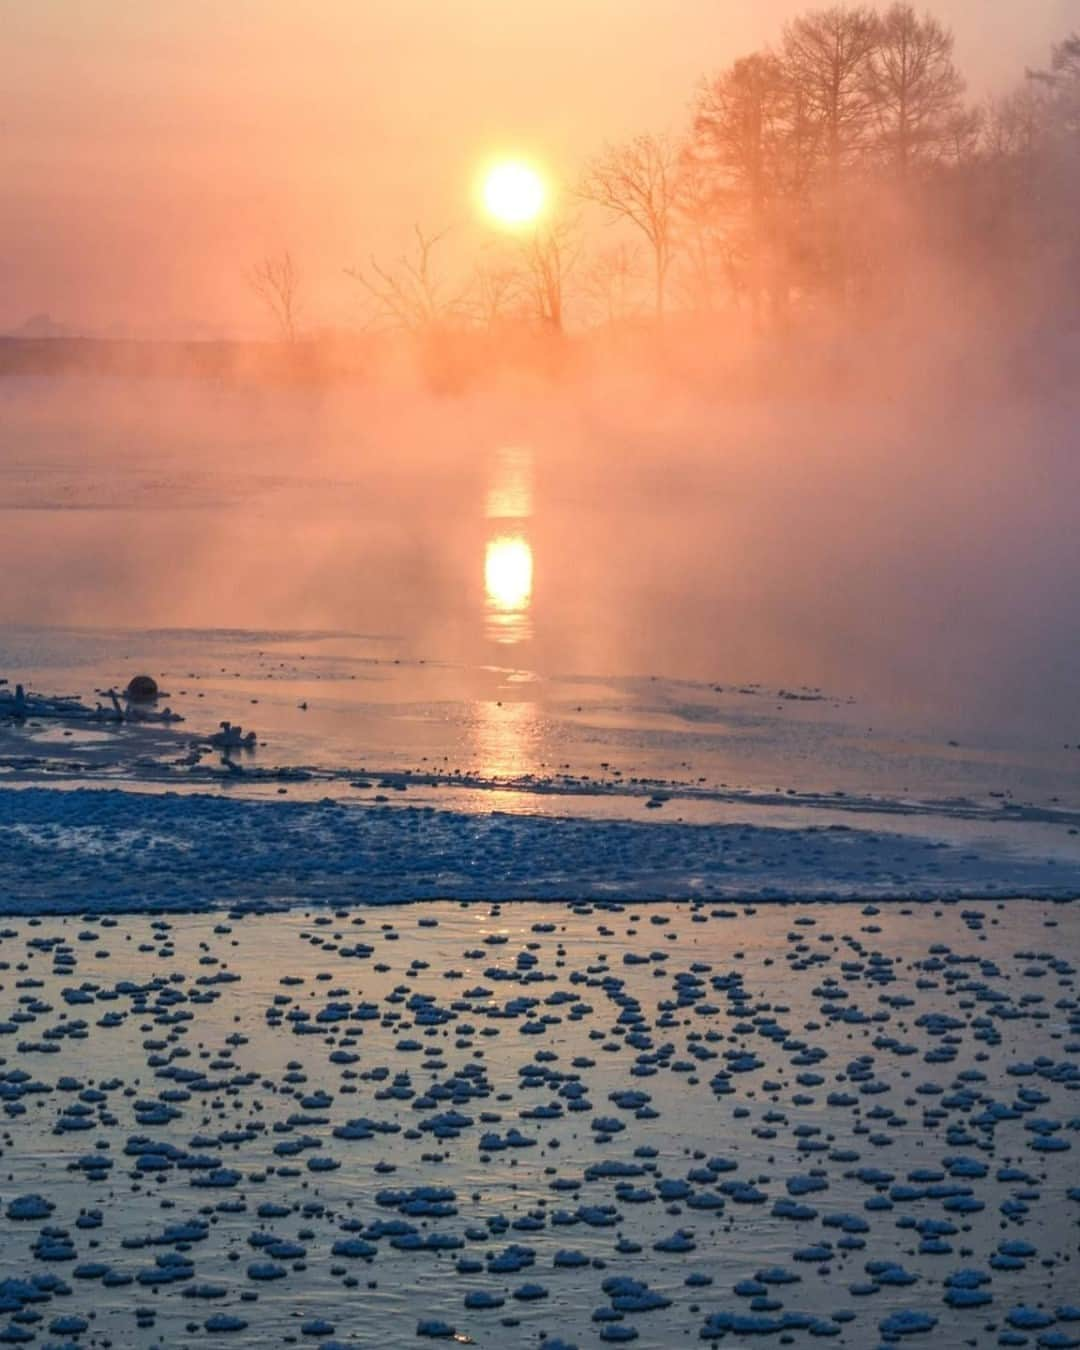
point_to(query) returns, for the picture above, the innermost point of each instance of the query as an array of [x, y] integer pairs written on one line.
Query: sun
[[514, 193]]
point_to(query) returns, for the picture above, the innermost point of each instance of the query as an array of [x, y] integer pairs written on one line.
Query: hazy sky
[[151, 149]]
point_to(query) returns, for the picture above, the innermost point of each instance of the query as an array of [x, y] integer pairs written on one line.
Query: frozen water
[[175, 1090]]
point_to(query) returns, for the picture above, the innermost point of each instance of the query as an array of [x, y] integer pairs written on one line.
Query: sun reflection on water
[[508, 554], [505, 740], [508, 581]]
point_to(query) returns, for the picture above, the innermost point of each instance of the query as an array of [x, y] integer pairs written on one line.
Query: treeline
[[834, 164], [831, 173]]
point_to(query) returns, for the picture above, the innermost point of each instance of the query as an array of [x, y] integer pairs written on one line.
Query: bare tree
[[827, 55], [548, 256], [411, 293], [734, 130], [1054, 169], [1014, 122], [496, 291], [610, 279], [1062, 81], [708, 254], [639, 182], [752, 131], [962, 135], [276, 282], [914, 86]]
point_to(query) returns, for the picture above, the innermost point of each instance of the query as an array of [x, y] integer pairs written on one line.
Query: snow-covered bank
[[85, 850]]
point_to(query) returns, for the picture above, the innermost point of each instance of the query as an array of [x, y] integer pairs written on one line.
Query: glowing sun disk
[[513, 193]]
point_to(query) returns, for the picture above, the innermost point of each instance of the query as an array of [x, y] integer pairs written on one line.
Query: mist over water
[[536, 563], [917, 549]]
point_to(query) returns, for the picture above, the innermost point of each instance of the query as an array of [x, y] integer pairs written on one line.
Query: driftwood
[[19, 705]]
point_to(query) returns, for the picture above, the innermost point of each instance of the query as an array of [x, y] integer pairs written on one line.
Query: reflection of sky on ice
[[762, 1130], [368, 712]]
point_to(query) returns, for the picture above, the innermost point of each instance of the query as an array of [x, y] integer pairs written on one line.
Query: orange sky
[[151, 149]]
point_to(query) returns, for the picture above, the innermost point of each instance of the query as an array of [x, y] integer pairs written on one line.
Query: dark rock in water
[[142, 689]]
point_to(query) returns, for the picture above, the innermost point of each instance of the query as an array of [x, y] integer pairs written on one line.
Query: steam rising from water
[[914, 541]]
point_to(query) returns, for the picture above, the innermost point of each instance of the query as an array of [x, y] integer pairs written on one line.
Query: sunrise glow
[[508, 573], [514, 193], [619, 460]]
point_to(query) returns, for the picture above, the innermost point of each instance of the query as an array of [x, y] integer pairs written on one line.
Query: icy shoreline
[[98, 850], [523, 1127]]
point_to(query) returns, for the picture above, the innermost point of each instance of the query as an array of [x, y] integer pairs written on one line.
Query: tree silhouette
[[639, 182], [276, 281], [411, 293], [1062, 80], [496, 291], [827, 55], [914, 86], [707, 249], [610, 279], [753, 131], [548, 255]]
